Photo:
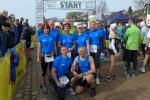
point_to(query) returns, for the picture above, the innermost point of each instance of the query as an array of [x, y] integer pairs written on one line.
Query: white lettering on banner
[[70, 4], [39, 11]]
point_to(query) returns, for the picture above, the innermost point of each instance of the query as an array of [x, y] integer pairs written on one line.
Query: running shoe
[[70, 91]]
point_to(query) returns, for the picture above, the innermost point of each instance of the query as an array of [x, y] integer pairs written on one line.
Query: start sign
[[69, 5]]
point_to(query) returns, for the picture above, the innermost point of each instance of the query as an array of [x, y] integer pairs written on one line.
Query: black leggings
[[44, 66], [60, 91], [131, 57]]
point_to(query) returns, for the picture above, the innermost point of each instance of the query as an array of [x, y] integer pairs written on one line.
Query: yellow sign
[[7, 87]]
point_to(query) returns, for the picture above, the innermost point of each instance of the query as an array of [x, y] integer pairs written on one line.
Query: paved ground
[[137, 88]]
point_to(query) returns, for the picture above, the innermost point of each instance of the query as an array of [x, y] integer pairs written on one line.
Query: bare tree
[[101, 7], [130, 11], [76, 16], [139, 4]]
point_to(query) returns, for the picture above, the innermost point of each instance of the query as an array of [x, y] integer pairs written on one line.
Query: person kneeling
[[86, 69], [60, 70]]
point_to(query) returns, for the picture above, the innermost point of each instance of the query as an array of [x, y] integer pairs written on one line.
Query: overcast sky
[[26, 8]]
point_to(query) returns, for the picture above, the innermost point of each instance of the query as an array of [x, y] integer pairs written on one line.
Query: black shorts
[[111, 52], [96, 57], [28, 44], [82, 82], [131, 55]]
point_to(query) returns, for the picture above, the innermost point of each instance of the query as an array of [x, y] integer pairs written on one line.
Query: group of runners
[[74, 54]]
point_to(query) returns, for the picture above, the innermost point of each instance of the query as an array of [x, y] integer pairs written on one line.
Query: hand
[[80, 75], [117, 54], [58, 84], [75, 74], [38, 61]]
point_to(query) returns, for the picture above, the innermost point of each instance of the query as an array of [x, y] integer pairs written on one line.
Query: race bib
[[49, 58], [64, 80], [69, 54], [93, 48]]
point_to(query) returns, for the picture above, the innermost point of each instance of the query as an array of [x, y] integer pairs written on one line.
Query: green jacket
[[132, 38]]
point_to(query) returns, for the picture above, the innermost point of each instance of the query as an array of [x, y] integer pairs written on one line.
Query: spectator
[[26, 24], [19, 29], [3, 19], [10, 36], [3, 41], [85, 28], [27, 36], [14, 28]]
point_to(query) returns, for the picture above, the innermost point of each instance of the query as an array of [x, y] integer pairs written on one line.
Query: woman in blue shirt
[[68, 40], [46, 50], [82, 39]]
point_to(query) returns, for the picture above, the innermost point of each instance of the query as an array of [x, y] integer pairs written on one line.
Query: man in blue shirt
[[60, 71], [53, 31], [96, 40], [83, 69]]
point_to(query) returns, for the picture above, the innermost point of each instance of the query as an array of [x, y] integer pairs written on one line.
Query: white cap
[[80, 25]]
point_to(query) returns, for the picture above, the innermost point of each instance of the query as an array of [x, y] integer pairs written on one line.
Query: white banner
[[69, 5], [39, 11], [98, 9]]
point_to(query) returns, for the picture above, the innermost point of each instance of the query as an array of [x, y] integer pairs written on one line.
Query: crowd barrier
[[12, 70]]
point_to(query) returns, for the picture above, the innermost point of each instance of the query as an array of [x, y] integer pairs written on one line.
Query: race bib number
[[49, 58], [64, 80], [69, 54], [93, 48]]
